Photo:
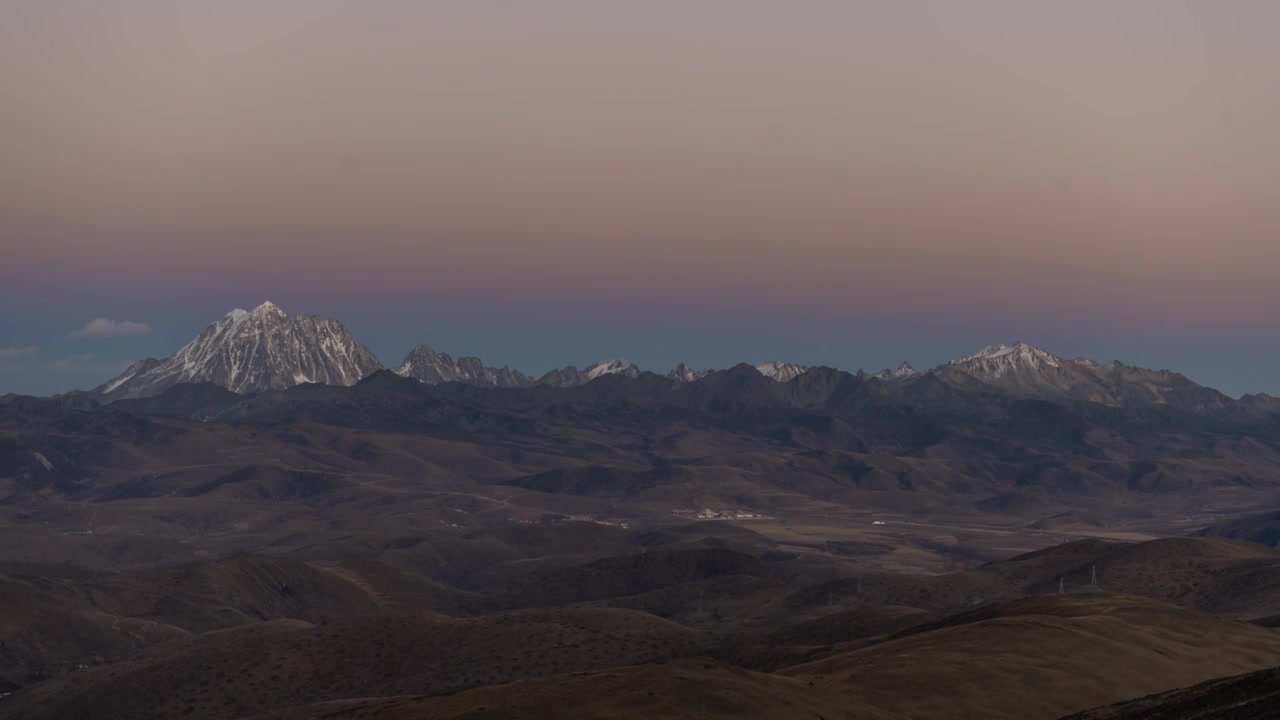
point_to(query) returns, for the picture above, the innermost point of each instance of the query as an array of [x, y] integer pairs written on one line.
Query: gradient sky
[[549, 183]]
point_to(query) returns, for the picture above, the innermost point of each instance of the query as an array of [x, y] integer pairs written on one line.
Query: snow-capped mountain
[[995, 361], [266, 349], [1027, 370], [431, 367], [684, 373], [571, 376], [780, 371], [611, 367], [902, 371], [248, 352]]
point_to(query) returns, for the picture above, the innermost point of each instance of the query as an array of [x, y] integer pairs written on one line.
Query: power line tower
[[1093, 580]]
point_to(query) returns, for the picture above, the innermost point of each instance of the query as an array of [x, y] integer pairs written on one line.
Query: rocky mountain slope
[[684, 373], [431, 367], [572, 376], [902, 371], [781, 371], [1023, 369], [1252, 696], [249, 352]]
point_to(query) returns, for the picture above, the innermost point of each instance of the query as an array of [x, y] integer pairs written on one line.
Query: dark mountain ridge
[[823, 390], [265, 349]]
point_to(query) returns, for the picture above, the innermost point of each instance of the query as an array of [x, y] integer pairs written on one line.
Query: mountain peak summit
[[267, 308], [428, 366], [254, 351], [781, 371], [684, 373], [617, 366], [995, 361], [991, 352], [902, 371]]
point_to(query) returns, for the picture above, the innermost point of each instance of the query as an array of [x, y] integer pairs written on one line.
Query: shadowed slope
[[1044, 657], [1255, 696], [697, 689], [239, 672]]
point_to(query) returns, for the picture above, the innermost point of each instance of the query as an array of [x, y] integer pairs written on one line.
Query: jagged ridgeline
[[248, 352], [265, 349]]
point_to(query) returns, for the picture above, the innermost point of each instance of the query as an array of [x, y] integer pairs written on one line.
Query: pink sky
[[1077, 164]]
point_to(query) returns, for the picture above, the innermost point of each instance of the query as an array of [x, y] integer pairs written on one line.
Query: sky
[[830, 182]]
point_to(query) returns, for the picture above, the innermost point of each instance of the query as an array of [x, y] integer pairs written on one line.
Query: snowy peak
[[684, 373], [996, 361], [426, 365], [254, 351], [266, 309], [611, 367], [141, 367], [902, 371], [1026, 370], [571, 376], [781, 371], [1030, 371], [992, 352]]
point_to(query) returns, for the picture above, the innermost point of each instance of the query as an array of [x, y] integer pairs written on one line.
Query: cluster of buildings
[[709, 514], [551, 520]]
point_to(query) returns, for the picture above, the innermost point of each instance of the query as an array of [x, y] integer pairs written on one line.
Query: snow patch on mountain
[[130, 372], [781, 371], [617, 366], [902, 371], [995, 361], [684, 373], [247, 352]]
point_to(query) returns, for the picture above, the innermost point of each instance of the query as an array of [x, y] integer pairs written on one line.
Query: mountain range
[[265, 349], [271, 523]]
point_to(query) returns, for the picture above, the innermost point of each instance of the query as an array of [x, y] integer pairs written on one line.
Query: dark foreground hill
[[1253, 696], [694, 689], [767, 608], [1034, 658], [1043, 657], [1227, 577], [251, 669]]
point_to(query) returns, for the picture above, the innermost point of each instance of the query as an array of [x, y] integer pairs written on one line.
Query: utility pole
[[1094, 579], [1060, 585]]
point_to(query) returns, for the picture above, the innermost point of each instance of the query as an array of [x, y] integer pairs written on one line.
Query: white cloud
[[23, 353], [104, 328]]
